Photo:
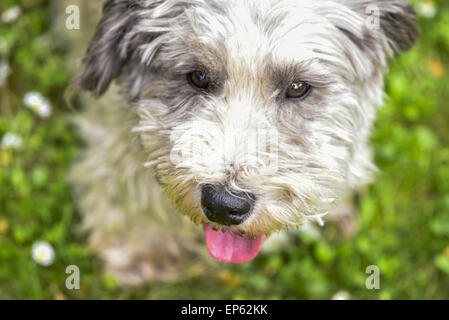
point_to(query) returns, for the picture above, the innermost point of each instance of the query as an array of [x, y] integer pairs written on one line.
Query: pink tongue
[[230, 247]]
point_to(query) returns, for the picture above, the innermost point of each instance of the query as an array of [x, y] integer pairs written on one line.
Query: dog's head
[[255, 113]]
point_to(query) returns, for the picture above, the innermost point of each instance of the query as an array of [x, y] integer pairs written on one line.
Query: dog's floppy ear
[[130, 33], [372, 31], [393, 23], [104, 57], [126, 33], [398, 21]]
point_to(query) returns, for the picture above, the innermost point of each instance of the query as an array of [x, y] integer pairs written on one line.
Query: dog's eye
[[198, 80], [298, 90]]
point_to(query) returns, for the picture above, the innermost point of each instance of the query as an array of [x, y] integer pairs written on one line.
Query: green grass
[[404, 214]]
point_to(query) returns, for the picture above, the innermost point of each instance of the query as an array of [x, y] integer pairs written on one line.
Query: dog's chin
[[227, 246]]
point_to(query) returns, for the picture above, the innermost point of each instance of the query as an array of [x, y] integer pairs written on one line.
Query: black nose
[[223, 208]]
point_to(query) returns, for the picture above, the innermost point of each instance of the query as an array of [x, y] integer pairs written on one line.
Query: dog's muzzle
[[221, 207]]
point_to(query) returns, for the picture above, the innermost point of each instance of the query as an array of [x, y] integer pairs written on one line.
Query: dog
[[246, 116]]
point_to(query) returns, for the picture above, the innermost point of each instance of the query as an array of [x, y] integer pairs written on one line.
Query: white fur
[[318, 148]]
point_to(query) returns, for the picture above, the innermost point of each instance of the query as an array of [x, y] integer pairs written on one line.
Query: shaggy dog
[[246, 116]]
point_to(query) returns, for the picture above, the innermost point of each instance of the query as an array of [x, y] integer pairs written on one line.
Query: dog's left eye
[[298, 90], [198, 80]]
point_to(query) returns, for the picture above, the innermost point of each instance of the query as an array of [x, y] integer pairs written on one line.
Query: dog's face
[[255, 114]]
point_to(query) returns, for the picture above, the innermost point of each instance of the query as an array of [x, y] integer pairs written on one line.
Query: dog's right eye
[[198, 80]]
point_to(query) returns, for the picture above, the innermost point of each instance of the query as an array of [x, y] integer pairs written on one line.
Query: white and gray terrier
[[247, 116]]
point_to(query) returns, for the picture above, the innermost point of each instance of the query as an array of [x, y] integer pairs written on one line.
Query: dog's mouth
[[226, 246]]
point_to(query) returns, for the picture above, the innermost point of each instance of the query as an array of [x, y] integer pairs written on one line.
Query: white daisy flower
[[5, 70], [38, 103], [12, 141], [43, 253], [427, 9], [341, 295], [12, 14]]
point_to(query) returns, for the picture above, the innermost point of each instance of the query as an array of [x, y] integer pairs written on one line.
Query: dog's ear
[[371, 31], [127, 32], [392, 24], [398, 21], [104, 57]]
